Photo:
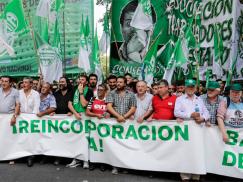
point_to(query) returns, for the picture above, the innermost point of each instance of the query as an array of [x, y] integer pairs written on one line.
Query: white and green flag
[[142, 18], [13, 15], [50, 56], [83, 58]]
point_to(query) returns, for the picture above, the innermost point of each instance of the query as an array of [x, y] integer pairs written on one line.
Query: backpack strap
[[228, 101]]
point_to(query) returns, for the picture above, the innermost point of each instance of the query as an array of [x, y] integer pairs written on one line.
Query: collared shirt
[[47, 102], [31, 103], [185, 106], [211, 107], [143, 105], [163, 108], [121, 104], [9, 100]]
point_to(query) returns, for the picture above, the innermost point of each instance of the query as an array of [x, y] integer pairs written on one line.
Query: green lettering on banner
[[106, 129], [92, 144], [89, 126], [34, 126], [169, 133], [179, 132], [240, 163], [14, 129], [117, 131], [241, 143], [140, 132], [233, 136], [67, 130], [154, 133], [23, 126], [229, 159], [131, 132], [43, 126], [52, 126], [77, 123]]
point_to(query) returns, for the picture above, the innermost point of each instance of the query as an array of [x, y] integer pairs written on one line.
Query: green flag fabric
[[218, 53], [13, 15], [149, 62]]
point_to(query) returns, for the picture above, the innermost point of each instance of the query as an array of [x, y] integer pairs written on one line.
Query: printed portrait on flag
[[133, 47]]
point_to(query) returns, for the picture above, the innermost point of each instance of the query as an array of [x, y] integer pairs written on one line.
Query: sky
[[98, 13]]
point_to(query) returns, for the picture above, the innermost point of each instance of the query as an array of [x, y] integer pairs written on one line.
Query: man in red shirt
[[163, 103], [97, 106]]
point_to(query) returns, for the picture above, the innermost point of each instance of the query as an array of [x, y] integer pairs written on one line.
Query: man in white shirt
[[29, 98], [29, 103], [189, 106]]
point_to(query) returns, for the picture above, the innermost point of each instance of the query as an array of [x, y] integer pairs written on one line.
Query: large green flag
[[59, 4], [218, 53], [56, 39], [13, 15], [87, 28]]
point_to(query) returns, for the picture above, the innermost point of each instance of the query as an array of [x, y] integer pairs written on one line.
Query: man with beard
[[111, 80], [212, 100], [121, 104], [93, 78], [63, 96], [189, 106], [81, 98]]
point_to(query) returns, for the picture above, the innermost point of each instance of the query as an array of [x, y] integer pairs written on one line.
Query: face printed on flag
[[133, 49]]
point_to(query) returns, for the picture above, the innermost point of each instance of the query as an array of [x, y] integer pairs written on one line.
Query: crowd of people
[[125, 98]]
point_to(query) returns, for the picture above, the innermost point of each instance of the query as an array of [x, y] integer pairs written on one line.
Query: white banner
[[54, 136], [156, 146]]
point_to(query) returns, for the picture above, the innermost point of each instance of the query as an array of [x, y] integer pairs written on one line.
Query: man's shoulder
[[35, 92], [203, 97]]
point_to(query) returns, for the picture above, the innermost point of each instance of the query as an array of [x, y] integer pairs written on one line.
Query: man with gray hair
[[211, 100], [144, 102], [29, 98], [47, 101], [29, 103]]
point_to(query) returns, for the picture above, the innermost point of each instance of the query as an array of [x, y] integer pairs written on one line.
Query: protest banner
[[153, 146]]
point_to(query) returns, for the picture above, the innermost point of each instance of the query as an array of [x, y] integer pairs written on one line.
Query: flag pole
[[64, 44]]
